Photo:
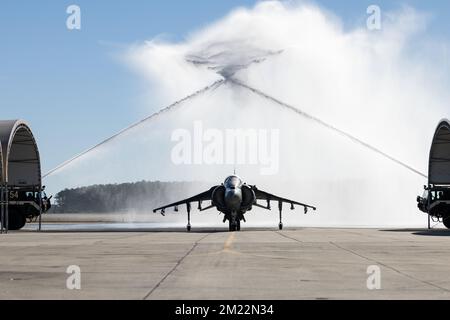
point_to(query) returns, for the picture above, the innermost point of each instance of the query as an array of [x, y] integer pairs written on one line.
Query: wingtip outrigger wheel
[[280, 208], [188, 207]]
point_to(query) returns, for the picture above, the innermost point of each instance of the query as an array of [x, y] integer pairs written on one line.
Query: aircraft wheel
[[447, 223], [280, 226], [232, 226], [238, 225], [188, 228]]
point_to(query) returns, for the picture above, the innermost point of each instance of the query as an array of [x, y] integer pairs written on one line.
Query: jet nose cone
[[233, 198]]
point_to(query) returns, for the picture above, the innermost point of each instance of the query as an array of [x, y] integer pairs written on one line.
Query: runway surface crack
[[389, 267], [174, 267], [287, 237]]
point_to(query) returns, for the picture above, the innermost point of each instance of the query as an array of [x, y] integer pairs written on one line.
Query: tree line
[[139, 196]]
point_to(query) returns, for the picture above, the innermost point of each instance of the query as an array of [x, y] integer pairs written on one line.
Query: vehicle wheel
[[232, 226], [447, 223], [188, 228], [280, 226], [238, 225], [16, 220]]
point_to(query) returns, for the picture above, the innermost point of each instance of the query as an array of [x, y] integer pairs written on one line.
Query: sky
[[73, 87]]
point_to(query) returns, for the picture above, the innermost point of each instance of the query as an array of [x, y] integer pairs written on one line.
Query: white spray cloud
[[373, 85]]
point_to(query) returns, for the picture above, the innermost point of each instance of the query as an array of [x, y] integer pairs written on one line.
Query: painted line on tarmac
[[229, 242]]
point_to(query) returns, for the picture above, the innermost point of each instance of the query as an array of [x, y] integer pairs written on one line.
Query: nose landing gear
[[234, 223]]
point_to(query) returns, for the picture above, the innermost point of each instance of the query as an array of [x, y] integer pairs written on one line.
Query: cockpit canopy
[[233, 182]]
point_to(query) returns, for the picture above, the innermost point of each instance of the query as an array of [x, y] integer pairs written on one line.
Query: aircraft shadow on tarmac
[[141, 230], [423, 232], [201, 230], [126, 231]]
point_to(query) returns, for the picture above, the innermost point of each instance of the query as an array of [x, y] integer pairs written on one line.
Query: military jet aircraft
[[234, 198]]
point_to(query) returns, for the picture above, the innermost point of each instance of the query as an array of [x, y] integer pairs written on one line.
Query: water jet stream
[[322, 123], [257, 92], [214, 85]]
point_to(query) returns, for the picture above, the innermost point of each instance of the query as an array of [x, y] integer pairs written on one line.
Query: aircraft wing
[[262, 195], [204, 196]]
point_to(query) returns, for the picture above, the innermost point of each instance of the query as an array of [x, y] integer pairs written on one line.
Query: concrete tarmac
[[205, 264]]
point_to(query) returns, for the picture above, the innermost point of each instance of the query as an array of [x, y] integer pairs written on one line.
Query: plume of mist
[[384, 87]]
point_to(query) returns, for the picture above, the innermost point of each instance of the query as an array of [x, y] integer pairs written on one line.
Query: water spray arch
[[439, 162]]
